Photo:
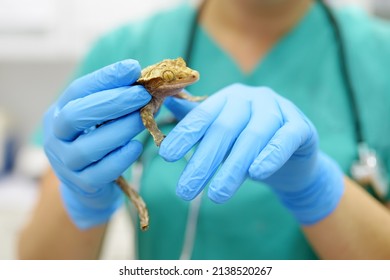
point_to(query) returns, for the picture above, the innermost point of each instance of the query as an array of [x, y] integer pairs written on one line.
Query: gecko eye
[[168, 76]]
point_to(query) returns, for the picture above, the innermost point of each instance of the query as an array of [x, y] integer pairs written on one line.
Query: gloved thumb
[[179, 107]]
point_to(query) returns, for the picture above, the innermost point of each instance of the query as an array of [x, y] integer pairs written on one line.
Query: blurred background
[[41, 42]]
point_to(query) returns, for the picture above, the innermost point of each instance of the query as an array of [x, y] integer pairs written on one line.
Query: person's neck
[[256, 25]]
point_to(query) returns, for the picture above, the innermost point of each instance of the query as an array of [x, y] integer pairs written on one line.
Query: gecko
[[166, 78]]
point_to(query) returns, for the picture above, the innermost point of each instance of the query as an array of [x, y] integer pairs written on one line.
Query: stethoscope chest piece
[[369, 170]]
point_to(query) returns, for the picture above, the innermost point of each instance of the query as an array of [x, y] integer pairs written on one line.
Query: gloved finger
[[84, 113], [276, 153], [65, 175], [92, 179], [94, 145], [110, 167], [179, 107], [295, 133], [122, 73], [266, 119], [85, 211], [213, 148], [190, 129]]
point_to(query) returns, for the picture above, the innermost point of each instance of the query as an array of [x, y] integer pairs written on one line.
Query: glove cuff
[[319, 199], [87, 211]]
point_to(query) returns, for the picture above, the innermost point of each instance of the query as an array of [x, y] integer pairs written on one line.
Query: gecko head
[[169, 74]]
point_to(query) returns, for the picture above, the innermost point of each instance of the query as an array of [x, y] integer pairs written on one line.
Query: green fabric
[[303, 67]]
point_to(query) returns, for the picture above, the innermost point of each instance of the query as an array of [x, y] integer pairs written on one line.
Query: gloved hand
[[254, 132], [88, 139]]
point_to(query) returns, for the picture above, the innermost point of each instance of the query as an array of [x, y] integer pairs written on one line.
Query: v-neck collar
[[290, 47]]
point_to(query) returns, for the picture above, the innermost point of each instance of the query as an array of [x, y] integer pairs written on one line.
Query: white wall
[[45, 29]]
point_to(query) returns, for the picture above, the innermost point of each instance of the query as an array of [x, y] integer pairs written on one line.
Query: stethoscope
[[366, 170]]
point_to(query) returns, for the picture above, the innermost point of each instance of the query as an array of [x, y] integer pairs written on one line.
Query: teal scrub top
[[304, 67]]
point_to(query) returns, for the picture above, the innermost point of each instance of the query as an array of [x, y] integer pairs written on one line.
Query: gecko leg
[[183, 95], [147, 116]]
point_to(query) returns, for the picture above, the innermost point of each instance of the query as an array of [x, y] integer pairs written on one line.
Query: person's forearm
[[51, 234], [359, 228]]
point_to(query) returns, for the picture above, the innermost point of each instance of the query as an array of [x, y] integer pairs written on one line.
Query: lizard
[[166, 78]]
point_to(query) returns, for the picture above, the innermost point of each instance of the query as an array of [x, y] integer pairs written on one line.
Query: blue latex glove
[[87, 159], [253, 132], [179, 107]]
